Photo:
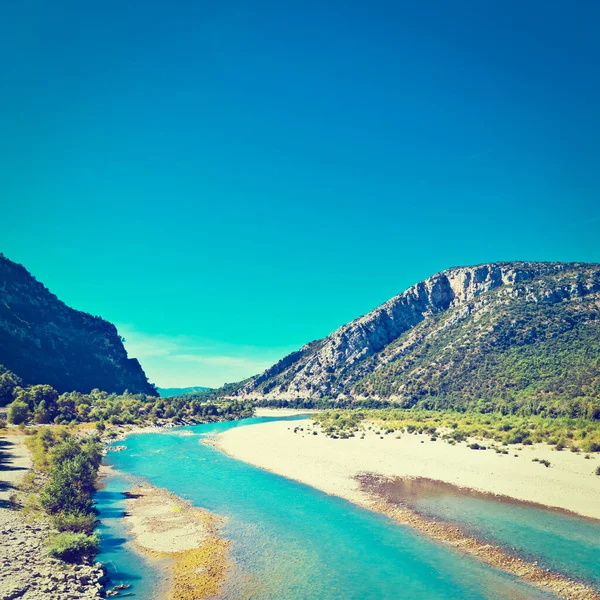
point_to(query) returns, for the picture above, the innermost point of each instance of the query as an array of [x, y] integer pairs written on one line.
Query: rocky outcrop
[[42, 340], [336, 365]]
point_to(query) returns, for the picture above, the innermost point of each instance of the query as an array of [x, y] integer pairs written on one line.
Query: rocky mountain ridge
[[42, 340], [459, 308]]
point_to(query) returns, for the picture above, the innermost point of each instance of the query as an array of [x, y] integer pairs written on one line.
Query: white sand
[[330, 465], [162, 522]]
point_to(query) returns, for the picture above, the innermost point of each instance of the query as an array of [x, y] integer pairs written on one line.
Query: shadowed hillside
[[42, 340]]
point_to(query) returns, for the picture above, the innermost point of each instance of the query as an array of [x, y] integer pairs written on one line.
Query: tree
[[18, 412], [36, 394], [8, 384], [72, 477], [41, 414]]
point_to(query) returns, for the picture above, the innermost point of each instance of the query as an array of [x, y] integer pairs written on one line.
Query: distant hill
[[42, 340], [167, 392], [518, 336]]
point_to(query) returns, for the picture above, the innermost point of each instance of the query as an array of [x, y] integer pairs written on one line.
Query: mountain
[[168, 392], [490, 336], [42, 340]]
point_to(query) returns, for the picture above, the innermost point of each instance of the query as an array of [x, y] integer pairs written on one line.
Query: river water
[[287, 540]]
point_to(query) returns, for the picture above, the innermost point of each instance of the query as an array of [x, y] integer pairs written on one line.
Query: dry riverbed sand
[[569, 483], [338, 467], [182, 538]]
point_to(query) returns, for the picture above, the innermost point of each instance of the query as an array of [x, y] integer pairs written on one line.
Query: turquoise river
[[288, 540]]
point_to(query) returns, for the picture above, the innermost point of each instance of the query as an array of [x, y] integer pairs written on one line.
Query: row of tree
[[42, 404]]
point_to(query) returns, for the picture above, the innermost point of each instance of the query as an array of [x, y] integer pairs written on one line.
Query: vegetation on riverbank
[[42, 404], [577, 435], [66, 468], [67, 453]]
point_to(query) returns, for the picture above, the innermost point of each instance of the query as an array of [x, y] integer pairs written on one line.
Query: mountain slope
[[42, 340], [489, 335]]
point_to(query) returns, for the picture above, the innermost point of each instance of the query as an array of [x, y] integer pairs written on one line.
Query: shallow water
[[288, 540], [123, 563], [561, 542]]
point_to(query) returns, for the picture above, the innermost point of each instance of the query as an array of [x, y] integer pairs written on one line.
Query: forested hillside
[[42, 340]]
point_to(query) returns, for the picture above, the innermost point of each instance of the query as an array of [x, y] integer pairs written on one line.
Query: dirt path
[[14, 463]]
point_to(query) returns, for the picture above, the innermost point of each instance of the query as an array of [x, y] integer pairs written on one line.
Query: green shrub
[[18, 413], [590, 446], [75, 522], [476, 446], [73, 547]]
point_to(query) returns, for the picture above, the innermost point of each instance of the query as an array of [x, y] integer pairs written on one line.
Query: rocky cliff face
[[42, 340], [386, 353]]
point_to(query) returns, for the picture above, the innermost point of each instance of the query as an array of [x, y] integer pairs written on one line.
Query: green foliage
[[8, 384], [73, 547], [476, 446], [76, 522], [324, 403], [458, 427], [42, 404], [40, 444], [18, 412], [72, 467], [38, 395], [526, 358], [72, 476]]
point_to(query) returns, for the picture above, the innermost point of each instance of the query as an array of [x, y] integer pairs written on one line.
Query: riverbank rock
[[28, 573]]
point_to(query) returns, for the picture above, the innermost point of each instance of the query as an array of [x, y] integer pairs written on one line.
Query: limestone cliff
[[419, 343]]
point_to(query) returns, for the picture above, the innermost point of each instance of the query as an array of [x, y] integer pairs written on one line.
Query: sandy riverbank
[[569, 483], [165, 526], [338, 467]]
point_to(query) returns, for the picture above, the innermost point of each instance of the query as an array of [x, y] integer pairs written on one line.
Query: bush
[[18, 413], [2, 423], [75, 522], [590, 446], [73, 547], [476, 446], [72, 477], [598, 470]]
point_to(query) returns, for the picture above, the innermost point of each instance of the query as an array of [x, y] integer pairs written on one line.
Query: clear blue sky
[[228, 180]]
